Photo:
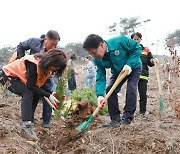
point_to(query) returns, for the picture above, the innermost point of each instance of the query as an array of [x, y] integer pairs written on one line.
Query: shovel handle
[[49, 102], [120, 77], [158, 78]]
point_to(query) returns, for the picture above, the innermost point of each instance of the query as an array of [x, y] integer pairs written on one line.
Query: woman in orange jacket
[[27, 77]]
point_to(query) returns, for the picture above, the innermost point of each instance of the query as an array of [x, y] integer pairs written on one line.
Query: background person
[[72, 79], [88, 80], [147, 61]]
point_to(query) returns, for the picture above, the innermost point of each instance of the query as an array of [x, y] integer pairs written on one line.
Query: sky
[[75, 19]]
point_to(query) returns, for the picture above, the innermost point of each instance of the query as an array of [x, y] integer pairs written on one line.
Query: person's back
[[118, 50], [36, 45]]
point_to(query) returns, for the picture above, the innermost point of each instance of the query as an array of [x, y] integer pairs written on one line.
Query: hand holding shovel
[[85, 124]]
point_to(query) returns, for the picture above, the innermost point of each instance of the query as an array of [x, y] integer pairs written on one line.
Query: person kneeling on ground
[[27, 77]]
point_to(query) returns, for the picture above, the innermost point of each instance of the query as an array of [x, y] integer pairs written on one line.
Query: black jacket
[[146, 58], [35, 45]]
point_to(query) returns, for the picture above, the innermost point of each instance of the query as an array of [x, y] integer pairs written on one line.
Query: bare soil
[[151, 134]]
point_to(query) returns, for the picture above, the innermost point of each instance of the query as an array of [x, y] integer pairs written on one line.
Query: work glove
[[127, 67], [63, 97], [55, 95], [155, 60], [100, 101], [53, 99]]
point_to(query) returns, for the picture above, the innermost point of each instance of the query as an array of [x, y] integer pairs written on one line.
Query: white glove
[[82, 68], [127, 67], [99, 100], [53, 99], [155, 60]]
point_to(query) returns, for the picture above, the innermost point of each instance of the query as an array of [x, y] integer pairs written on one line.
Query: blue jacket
[[35, 45], [121, 51]]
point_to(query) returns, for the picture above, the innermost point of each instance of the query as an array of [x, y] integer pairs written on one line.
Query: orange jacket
[[13, 57], [18, 69]]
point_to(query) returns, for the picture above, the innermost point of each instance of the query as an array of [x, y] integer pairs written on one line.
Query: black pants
[[72, 81], [131, 96], [142, 88], [29, 100], [47, 110]]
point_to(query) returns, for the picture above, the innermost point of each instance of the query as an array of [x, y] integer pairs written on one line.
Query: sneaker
[[126, 121], [119, 94], [112, 123], [46, 125], [142, 115], [27, 129], [33, 122]]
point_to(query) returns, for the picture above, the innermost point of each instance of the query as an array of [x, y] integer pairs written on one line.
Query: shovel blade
[[85, 124], [161, 105]]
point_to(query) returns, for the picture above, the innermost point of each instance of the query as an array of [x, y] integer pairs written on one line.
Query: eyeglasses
[[93, 52]]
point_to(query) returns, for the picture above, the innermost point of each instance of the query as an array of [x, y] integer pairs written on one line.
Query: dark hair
[[54, 57], [43, 36], [73, 56], [92, 41], [53, 35], [137, 34]]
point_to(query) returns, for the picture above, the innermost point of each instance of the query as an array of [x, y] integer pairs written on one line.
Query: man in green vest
[[119, 54]]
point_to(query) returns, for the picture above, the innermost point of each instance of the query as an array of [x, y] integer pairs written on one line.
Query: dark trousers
[[29, 100], [47, 110], [142, 88], [72, 81], [131, 96]]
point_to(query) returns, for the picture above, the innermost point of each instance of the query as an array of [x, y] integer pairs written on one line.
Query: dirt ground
[[151, 134]]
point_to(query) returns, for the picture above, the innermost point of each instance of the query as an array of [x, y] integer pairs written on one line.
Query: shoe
[[27, 130], [112, 123], [119, 94], [142, 115], [33, 122], [126, 121], [46, 125]]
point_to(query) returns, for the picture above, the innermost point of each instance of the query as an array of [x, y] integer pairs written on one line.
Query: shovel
[[85, 124], [53, 107], [50, 104], [161, 100]]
